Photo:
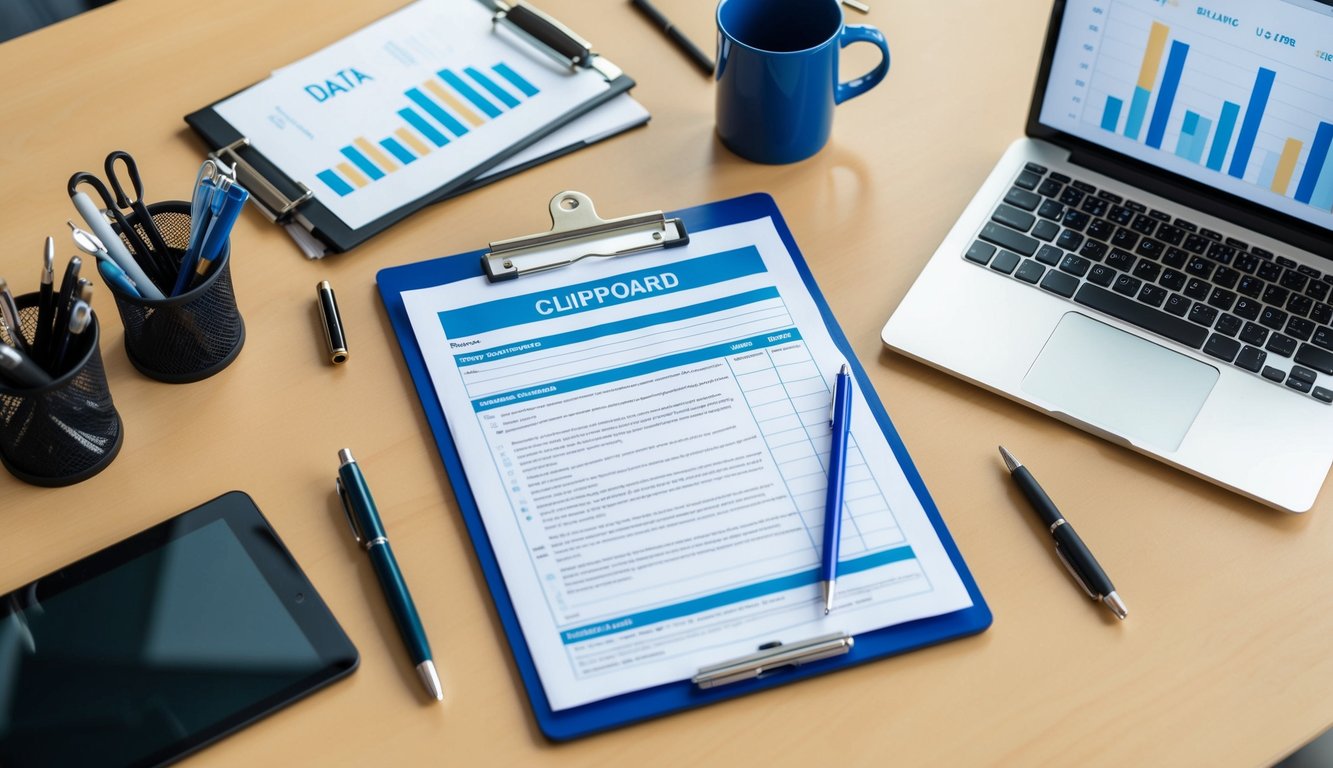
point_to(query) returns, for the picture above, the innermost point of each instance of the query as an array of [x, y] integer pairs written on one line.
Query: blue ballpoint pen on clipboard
[[840, 428], [368, 530]]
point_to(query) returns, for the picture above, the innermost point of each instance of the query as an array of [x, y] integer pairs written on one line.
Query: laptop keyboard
[[1239, 304]]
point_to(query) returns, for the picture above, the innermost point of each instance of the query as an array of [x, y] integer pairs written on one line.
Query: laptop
[[1153, 262]]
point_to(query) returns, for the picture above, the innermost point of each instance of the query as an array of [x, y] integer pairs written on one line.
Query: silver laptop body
[[1226, 373]]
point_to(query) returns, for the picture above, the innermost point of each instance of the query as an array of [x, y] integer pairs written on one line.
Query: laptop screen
[[1234, 94]]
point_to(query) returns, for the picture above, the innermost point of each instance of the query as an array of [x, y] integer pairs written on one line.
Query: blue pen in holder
[[190, 336]]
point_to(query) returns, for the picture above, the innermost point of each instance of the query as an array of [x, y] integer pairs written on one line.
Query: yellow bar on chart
[[1152, 57], [1286, 165], [352, 174], [412, 141], [448, 98], [375, 155]]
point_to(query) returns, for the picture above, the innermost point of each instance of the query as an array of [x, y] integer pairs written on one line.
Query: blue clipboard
[[665, 699]]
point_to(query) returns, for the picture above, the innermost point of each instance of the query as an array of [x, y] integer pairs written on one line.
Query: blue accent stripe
[[1200, 140], [1226, 125], [1185, 144], [731, 596], [666, 362], [468, 93], [1323, 189], [1166, 96], [335, 183], [1249, 129], [362, 162], [436, 111], [515, 79], [424, 128], [1314, 163], [608, 329], [398, 150], [1138, 108], [1111, 115], [495, 90]]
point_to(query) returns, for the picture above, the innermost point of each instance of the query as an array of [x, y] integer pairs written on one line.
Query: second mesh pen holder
[[188, 337], [68, 430]]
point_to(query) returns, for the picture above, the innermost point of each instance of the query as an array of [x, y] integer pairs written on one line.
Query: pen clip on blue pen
[[347, 510]]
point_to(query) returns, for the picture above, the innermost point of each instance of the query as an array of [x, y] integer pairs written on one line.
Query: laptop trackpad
[[1119, 382]]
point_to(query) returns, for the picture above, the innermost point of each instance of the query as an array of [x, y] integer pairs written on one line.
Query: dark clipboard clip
[[551, 37], [577, 232], [270, 200], [774, 656]]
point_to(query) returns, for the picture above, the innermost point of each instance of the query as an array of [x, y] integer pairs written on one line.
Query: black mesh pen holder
[[188, 337], [66, 431]]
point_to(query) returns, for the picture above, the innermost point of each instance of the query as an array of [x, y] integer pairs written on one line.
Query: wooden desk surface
[[1226, 658]]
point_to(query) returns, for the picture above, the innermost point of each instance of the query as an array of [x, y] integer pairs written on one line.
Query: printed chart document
[[400, 108], [647, 441]]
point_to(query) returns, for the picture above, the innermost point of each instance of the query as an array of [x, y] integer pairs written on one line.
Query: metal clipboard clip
[[275, 205], [551, 37], [774, 656], [577, 232]]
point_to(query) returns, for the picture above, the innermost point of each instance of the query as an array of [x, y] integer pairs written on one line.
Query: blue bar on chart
[[1193, 137], [1111, 115], [515, 79], [1166, 95], [1152, 61], [469, 93], [1323, 188], [397, 150], [362, 162], [495, 90], [426, 129], [1268, 171], [335, 183], [1249, 128], [436, 111], [1315, 163], [1226, 125]]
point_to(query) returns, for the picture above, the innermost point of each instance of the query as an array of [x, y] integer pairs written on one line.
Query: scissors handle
[[131, 168]]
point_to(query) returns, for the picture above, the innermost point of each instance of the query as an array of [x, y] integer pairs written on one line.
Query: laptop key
[[1144, 225], [1319, 359], [1247, 308], [1046, 230], [1175, 258], [1246, 263], [1147, 270], [1284, 261], [1270, 271], [1280, 344], [1228, 324], [1293, 280], [1226, 277], [1300, 305], [1273, 374], [1004, 261], [1093, 250], [1317, 290], [1323, 337], [1056, 281], [1027, 180], [1188, 226], [1050, 188], [1008, 238], [1145, 317], [1199, 267], [1101, 229], [1221, 253], [1124, 238], [1013, 218], [1253, 333], [1203, 314], [1177, 305], [1300, 328], [1170, 235], [1323, 395], [1022, 198], [1094, 206], [1076, 220], [1152, 295], [1050, 255], [1172, 280], [1035, 168], [1110, 196], [1273, 318], [1221, 298], [1197, 289], [1322, 313], [1060, 177], [1299, 383], [1071, 196], [1150, 248], [1221, 347], [1069, 239], [1120, 214], [1127, 285], [1195, 243], [1276, 294], [1075, 265], [980, 252], [1103, 275], [1029, 271], [1251, 359], [1051, 210], [1250, 286], [1084, 186]]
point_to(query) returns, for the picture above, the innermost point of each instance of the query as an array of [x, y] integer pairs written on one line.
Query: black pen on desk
[[46, 301], [368, 530], [682, 42], [1072, 551]]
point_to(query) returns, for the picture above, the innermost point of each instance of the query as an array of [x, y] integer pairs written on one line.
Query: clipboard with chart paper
[[637, 448]]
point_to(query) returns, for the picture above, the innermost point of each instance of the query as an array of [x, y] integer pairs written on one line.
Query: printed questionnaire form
[[647, 441]]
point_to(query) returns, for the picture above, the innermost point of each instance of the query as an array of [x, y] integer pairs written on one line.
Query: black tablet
[[162, 643]]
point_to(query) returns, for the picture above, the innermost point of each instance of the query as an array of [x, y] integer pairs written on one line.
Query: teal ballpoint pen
[[368, 530]]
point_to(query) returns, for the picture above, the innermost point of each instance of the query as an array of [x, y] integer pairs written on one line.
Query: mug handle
[[862, 33]]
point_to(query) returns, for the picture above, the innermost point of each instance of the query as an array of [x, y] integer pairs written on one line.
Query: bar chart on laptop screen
[[1239, 95]]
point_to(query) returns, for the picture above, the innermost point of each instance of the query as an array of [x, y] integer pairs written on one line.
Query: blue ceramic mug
[[777, 75]]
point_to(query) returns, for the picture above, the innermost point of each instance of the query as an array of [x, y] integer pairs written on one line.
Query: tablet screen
[[161, 643]]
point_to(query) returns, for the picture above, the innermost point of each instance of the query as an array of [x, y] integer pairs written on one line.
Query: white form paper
[[393, 112], [647, 440]]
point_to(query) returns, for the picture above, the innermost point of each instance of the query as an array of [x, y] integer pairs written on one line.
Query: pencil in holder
[[66, 431], [191, 336]]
